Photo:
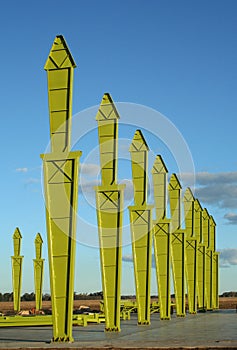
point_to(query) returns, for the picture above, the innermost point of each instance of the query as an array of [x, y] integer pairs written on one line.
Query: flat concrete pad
[[216, 330]]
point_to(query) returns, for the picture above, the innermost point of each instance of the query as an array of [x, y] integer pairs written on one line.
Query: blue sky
[[176, 57]]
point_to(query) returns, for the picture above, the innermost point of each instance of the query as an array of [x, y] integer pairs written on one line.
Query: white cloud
[[217, 189], [228, 257], [89, 169], [231, 218], [21, 170], [129, 258]]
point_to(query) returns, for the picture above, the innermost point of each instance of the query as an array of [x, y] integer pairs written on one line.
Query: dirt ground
[[7, 307]]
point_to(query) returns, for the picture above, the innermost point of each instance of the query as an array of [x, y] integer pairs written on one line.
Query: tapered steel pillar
[[109, 202], [141, 227], [215, 265], [178, 243], [201, 261], [38, 271], [17, 260], [216, 280], [191, 251], [209, 258], [161, 237], [61, 189]]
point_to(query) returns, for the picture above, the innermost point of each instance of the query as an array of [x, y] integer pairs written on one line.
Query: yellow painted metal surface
[[17, 261], [161, 237], [205, 227], [61, 169], [38, 271], [188, 201], [209, 278], [159, 176], [60, 67], [198, 220], [109, 203], [141, 226], [162, 252], [201, 276], [191, 261], [178, 244], [216, 280], [212, 234]]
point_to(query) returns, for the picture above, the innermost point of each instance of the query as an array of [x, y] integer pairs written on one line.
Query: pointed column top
[[212, 221], [159, 166], [17, 234], [205, 214], [138, 143], [197, 205], [59, 56], [174, 183], [17, 242], [38, 246], [188, 195], [107, 109], [38, 239]]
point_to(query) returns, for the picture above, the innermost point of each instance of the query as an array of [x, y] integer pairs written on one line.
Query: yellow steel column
[[177, 245], [17, 260], [215, 264], [38, 271], [109, 202], [141, 226], [216, 280], [61, 189], [205, 240], [201, 255], [161, 236], [191, 261], [206, 230]]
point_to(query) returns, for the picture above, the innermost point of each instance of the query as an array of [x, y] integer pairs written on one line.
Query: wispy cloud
[[217, 189], [88, 186], [228, 257], [129, 258], [21, 170], [231, 218], [89, 169]]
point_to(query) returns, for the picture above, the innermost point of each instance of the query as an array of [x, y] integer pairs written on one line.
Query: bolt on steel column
[[38, 271], [177, 245], [17, 260], [141, 227], [161, 237], [109, 202], [61, 168]]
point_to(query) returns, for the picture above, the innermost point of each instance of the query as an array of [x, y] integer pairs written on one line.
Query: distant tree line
[[47, 297], [87, 296]]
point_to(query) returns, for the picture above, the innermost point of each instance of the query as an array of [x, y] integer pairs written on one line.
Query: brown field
[[7, 307]]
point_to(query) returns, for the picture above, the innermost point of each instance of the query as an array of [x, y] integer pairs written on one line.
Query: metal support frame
[[141, 227], [17, 261], [191, 251], [61, 189], [178, 244], [38, 271], [109, 203], [216, 280], [161, 237]]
